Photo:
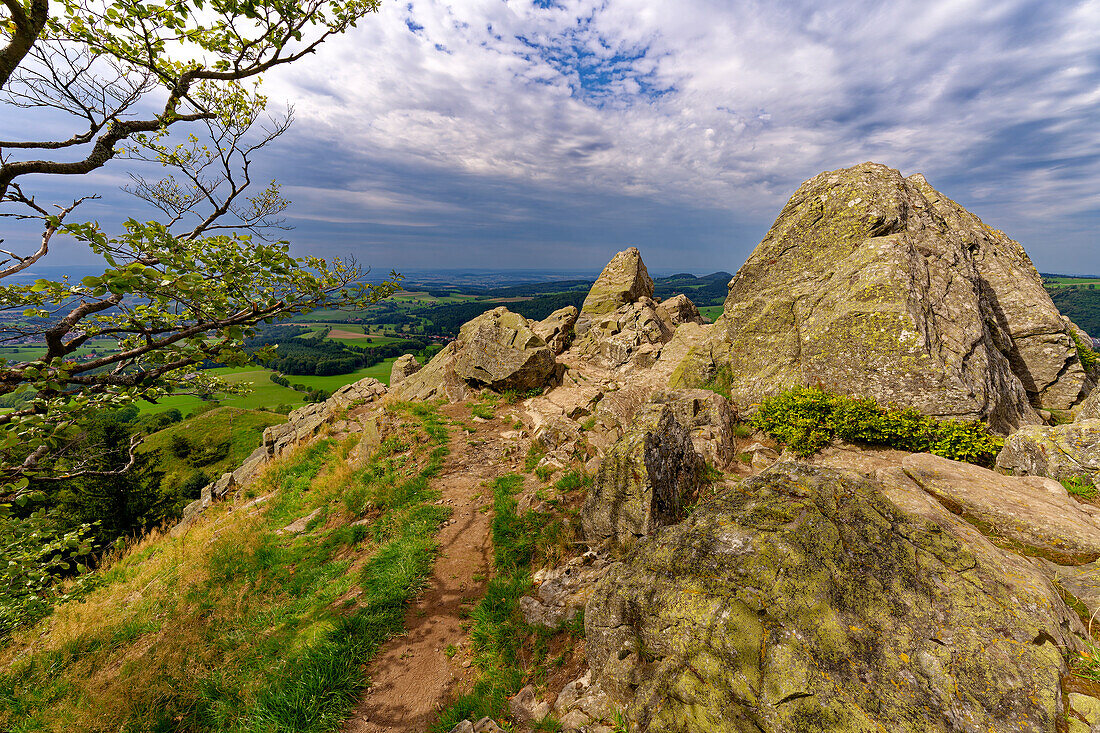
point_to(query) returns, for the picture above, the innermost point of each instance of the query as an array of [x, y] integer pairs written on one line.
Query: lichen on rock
[[646, 480], [806, 600], [877, 285]]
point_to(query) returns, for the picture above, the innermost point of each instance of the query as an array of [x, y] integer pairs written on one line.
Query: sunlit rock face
[[874, 284]]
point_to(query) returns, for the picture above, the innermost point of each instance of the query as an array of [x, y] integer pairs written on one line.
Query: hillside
[[802, 517], [190, 454]]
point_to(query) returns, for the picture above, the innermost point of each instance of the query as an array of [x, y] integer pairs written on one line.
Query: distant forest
[[1081, 305], [302, 355]]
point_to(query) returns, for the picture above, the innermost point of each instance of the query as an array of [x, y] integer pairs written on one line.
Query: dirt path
[[411, 675]]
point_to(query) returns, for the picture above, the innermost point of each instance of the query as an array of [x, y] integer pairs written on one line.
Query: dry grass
[[234, 626]]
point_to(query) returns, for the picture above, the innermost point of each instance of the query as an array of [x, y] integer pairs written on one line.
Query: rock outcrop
[[632, 334], [306, 422], [809, 599], [1058, 451], [557, 328], [679, 309], [499, 349], [403, 367], [1032, 513], [873, 284], [1090, 408], [709, 418], [623, 281], [645, 481]]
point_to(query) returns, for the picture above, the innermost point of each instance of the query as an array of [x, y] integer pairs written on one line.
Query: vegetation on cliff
[[807, 418]]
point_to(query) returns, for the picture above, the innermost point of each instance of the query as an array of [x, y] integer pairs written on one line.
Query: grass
[[483, 411], [508, 653], [239, 431], [1087, 663], [711, 312], [1081, 486], [233, 626]]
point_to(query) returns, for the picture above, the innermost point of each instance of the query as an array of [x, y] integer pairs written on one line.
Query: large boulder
[[646, 480], [498, 349], [679, 309], [624, 280], [1058, 451], [1031, 513], [807, 600], [403, 367], [873, 284]]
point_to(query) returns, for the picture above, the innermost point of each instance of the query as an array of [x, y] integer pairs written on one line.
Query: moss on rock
[[805, 600]]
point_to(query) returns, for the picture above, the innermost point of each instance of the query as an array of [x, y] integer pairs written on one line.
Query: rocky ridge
[[727, 586]]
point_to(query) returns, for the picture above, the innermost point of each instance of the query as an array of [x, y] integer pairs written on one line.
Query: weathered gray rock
[[709, 417], [525, 706], [487, 725], [645, 481], [806, 600], [1089, 409], [1057, 451], [1042, 351], [877, 285], [623, 281], [308, 421], [679, 309], [557, 328], [403, 367], [501, 351], [225, 483], [1034, 512], [563, 591], [632, 334], [498, 349], [251, 466]]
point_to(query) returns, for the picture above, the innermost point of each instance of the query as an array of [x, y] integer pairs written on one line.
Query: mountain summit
[[874, 284]]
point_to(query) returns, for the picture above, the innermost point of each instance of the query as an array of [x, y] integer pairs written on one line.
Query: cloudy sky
[[551, 133]]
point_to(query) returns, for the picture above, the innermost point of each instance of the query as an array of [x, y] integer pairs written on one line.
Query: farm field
[[23, 353], [711, 312], [1066, 282], [266, 393]]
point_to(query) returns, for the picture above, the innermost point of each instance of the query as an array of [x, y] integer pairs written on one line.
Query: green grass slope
[[219, 440], [236, 626]]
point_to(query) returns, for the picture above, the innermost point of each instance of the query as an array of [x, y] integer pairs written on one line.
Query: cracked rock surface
[[808, 599], [873, 284]]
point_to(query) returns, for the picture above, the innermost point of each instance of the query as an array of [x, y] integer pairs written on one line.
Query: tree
[[180, 290]]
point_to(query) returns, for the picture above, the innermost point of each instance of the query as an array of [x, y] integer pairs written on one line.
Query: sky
[[549, 134]]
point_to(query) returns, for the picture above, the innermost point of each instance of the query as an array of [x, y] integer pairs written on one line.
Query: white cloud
[[725, 104]]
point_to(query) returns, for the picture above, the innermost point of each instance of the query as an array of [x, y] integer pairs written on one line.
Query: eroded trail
[[411, 676]]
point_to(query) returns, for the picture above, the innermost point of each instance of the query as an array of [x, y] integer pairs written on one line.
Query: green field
[[711, 312], [242, 429], [28, 353], [1065, 282], [266, 393]]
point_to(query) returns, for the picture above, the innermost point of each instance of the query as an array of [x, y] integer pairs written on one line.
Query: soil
[[411, 677]]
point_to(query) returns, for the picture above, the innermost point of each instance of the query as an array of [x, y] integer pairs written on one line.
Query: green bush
[[808, 418], [1088, 357]]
